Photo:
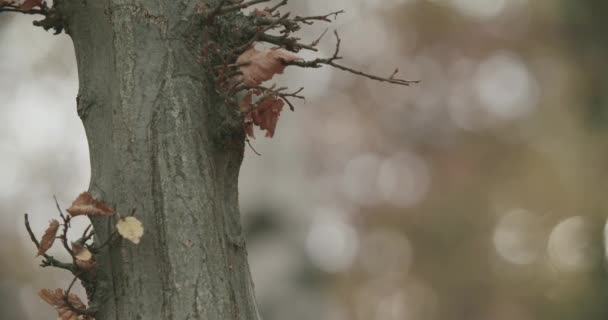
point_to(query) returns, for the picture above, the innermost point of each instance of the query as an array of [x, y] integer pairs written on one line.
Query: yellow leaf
[[130, 228]]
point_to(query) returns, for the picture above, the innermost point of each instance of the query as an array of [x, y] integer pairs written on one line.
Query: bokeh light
[[571, 245], [518, 237], [331, 243], [476, 194]]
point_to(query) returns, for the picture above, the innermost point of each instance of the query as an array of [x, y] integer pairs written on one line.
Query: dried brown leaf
[[28, 5], [81, 252], [259, 66], [48, 238], [57, 300], [245, 105], [266, 114], [130, 228], [86, 204], [88, 265]]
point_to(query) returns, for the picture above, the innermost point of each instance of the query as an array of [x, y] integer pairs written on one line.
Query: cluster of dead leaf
[[68, 305], [257, 67], [23, 5], [262, 105]]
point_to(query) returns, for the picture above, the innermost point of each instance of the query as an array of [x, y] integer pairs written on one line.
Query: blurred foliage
[[584, 25], [478, 194]]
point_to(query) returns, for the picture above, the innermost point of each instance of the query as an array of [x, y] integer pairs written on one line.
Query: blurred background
[[477, 194]]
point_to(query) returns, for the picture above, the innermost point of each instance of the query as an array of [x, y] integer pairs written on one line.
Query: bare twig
[[294, 94], [289, 43], [132, 213], [319, 62], [240, 6], [86, 230], [58, 208], [252, 148], [49, 261], [316, 42], [260, 33], [86, 235], [66, 296], [211, 16], [111, 238], [310, 20], [66, 299], [278, 5], [31, 233], [66, 225], [67, 292], [272, 92]]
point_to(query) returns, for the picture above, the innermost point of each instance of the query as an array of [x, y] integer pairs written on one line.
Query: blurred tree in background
[[479, 194]]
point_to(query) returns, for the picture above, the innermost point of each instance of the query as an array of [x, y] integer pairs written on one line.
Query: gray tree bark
[[160, 141]]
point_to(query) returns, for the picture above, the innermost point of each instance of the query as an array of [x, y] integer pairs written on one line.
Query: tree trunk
[[162, 142]]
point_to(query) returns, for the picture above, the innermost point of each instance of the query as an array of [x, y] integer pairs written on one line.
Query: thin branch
[[211, 16], [240, 6], [66, 299], [316, 42], [31, 233], [260, 33], [86, 235], [67, 292], [289, 43], [319, 62], [66, 225], [278, 5], [272, 92], [265, 23], [85, 232], [110, 239], [49, 261], [58, 208], [310, 20], [294, 94], [252, 148]]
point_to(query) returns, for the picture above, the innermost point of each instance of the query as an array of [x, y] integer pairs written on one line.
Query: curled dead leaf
[[258, 66], [88, 265], [48, 238], [265, 114], [130, 228], [28, 5], [245, 105], [86, 204], [57, 300], [81, 252]]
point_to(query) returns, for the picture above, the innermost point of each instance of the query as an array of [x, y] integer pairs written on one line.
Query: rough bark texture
[[161, 142]]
